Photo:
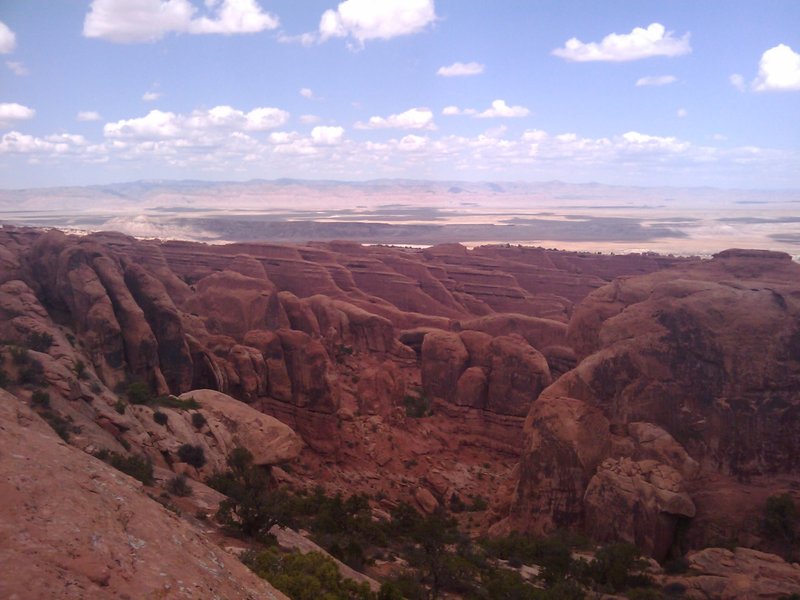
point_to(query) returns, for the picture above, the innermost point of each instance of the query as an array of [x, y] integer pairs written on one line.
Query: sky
[[626, 92]]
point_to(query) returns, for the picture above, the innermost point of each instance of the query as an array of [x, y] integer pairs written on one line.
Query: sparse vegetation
[[417, 406], [311, 576], [160, 417], [198, 420], [192, 455], [780, 523], [135, 466], [39, 341], [178, 486], [80, 370]]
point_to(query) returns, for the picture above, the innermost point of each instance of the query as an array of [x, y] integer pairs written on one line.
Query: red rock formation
[[706, 353]]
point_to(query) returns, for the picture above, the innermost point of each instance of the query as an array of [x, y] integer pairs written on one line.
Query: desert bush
[[138, 393], [135, 466], [39, 341], [311, 576], [178, 486], [198, 420], [160, 417], [619, 566], [192, 455], [417, 406], [40, 399], [251, 507], [80, 370]]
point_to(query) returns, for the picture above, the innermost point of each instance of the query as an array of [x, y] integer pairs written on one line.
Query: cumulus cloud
[[367, 19], [499, 108], [130, 21], [460, 70], [413, 118], [8, 40], [151, 96], [11, 112], [656, 80], [737, 81], [17, 67], [327, 136], [778, 70], [309, 119], [159, 125], [89, 115], [306, 93], [640, 43]]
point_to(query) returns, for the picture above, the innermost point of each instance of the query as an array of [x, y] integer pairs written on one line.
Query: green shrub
[[160, 417], [417, 406], [39, 341], [178, 486], [119, 406], [192, 455], [251, 507], [58, 423], [138, 393], [173, 402], [198, 420], [4, 380], [135, 466], [618, 566], [80, 370], [19, 355], [311, 576], [40, 399], [32, 373]]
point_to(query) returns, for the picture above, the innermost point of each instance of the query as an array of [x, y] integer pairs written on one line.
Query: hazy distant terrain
[[554, 214]]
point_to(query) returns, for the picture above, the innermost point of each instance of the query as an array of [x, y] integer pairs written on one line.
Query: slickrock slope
[[686, 400], [73, 527]]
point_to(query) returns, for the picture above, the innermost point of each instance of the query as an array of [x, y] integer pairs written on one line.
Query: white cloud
[[682, 112], [778, 70], [499, 108], [17, 67], [413, 118], [452, 111], [306, 93], [89, 115], [129, 21], [656, 80], [534, 135], [309, 119], [639, 43], [367, 19], [737, 81], [460, 69], [8, 40], [412, 143], [234, 16], [327, 136], [220, 120], [151, 96], [11, 112]]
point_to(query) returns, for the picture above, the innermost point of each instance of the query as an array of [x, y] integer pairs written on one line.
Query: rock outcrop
[[74, 527], [692, 372]]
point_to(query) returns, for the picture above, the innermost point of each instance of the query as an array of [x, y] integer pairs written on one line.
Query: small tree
[[251, 506], [192, 455]]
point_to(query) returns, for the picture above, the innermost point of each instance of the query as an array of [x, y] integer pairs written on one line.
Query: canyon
[[644, 398]]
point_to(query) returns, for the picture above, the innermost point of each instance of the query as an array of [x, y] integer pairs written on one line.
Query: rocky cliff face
[[686, 394], [656, 403]]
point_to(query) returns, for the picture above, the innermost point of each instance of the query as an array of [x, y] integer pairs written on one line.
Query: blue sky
[[646, 92]]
